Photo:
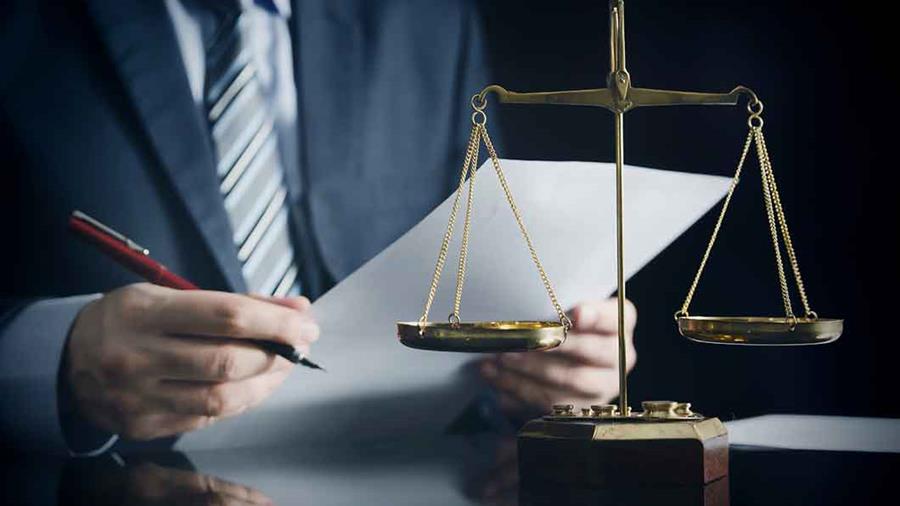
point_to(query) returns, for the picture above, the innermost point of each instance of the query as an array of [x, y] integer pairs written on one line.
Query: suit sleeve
[[32, 343]]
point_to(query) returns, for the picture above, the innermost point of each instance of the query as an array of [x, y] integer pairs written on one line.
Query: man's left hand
[[582, 371]]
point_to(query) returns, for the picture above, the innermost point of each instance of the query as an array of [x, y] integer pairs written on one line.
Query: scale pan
[[482, 337], [760, 330]]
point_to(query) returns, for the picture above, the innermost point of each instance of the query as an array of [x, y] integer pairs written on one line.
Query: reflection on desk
[[159, 479], [446, 470]]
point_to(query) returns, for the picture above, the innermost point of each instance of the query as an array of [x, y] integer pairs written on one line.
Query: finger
[[601, 316], [141, 416], [215, 399], [530, 394], [557, 374], [225, 489], [209, 313], [207, 359], [152, 483], [274, 381], [540, 393], [154, 478], [298, 303], [589, 349], [157, 425], [507, 385]]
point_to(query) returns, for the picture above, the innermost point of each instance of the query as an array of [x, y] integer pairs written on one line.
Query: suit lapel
[[328, 68], [142, 45]]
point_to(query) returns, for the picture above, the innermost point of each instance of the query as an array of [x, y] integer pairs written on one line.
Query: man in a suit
[[261, 147]]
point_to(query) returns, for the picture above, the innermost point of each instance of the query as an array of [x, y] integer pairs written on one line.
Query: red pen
[[136, 258]]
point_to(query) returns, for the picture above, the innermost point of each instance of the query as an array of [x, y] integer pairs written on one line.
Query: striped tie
[[251, 177]]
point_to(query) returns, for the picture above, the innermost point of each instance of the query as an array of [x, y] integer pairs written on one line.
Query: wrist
[[82, 437]]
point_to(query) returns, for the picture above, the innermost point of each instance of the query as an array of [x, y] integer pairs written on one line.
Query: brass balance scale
[[576, 437]]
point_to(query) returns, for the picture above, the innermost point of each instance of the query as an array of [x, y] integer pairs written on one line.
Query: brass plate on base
[[482, 337], [625, 428], [760, 330]]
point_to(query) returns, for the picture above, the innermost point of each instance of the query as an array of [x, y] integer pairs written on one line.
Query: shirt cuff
[[31, 350]]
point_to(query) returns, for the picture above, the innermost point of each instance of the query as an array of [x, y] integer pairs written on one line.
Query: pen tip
[[308, 363]]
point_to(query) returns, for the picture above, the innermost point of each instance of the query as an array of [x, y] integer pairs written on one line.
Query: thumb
[[601, 316]]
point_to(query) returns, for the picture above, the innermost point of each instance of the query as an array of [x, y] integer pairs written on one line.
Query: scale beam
[[603, 97]]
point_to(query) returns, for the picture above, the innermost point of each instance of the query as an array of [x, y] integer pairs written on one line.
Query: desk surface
[[445, 470]]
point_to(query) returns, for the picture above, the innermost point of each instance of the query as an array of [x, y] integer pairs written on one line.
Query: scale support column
[[620, 261], [619, 81]]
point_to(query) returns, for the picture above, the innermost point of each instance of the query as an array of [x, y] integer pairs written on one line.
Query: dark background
[[821, 71]]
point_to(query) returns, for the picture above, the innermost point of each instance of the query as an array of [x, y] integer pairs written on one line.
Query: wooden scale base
[[665, 445]]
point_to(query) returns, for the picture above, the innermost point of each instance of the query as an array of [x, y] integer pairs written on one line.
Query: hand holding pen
[[148, 361]]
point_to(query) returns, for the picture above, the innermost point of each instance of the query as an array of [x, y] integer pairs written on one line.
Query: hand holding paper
[[583, 371]]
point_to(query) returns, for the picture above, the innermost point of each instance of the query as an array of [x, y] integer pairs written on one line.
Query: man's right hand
[[145, 361]]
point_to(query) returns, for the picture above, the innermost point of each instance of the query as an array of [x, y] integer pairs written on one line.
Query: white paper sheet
[[823, 433], [374, 386]]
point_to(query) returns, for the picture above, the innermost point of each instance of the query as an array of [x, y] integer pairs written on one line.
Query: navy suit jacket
[[96, 114]]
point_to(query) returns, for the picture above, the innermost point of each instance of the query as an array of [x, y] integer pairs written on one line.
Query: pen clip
[[110, 232]]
